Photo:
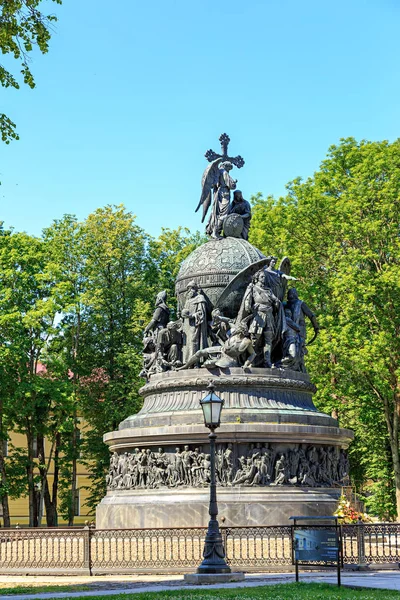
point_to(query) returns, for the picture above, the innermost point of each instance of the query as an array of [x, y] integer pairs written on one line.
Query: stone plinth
[[267, 413], [201, 578], [188, 507]]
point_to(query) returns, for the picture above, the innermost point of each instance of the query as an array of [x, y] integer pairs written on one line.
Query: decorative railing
[[178, 550], [365, 544]]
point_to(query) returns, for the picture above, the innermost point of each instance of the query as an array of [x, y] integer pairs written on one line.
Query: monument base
[[276, 455], [238, 507], [201, 578]]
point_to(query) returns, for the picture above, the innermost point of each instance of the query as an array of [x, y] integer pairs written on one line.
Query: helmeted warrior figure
[[264, 313]]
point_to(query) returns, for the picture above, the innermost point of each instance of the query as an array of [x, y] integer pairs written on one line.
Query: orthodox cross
[[235, 160]]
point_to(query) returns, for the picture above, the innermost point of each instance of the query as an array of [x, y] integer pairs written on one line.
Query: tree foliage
[[73, 306], [23, 27], [76, 300], [341, 230]]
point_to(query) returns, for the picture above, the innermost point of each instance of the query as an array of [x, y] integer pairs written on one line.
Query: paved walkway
[[109, 586]]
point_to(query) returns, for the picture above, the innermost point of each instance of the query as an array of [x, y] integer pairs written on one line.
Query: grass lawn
[[38, 589], [287, 591]]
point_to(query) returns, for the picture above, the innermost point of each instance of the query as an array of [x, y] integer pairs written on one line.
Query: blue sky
[[133, 93]]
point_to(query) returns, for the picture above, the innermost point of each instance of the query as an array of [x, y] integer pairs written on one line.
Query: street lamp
[[213, 554]]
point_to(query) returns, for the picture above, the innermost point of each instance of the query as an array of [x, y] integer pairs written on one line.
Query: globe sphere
[[213, 266]]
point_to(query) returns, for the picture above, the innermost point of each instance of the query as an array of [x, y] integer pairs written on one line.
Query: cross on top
[[235, 160]]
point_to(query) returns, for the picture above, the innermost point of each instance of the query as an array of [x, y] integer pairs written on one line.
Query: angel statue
[[216, 185], [217, 182], [277, 278]]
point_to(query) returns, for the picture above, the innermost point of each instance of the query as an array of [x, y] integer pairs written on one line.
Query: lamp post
[[214, 553]]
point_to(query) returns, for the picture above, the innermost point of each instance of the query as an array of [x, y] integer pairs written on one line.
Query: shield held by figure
[[231, 298]]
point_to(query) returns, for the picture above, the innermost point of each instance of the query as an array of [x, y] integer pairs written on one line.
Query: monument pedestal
[[268, 414], [188, 507], [201, 578]]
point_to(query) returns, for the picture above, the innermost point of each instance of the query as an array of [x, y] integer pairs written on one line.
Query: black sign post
[[317, 544]]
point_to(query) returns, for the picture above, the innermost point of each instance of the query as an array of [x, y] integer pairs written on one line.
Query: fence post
[[224, 534], [87, 556], [361, 545]]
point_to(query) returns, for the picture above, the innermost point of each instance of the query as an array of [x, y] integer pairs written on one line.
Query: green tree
[[23, 27], [168, 252], [116, 301], [66, 269], [34, 399], [340, 227], [73, 306]]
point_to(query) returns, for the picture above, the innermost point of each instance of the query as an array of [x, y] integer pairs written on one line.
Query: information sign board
[[319, 545]]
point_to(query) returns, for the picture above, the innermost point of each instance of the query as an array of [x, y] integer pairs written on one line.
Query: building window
[[77, 504]]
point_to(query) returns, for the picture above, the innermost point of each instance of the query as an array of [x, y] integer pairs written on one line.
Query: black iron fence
[[123, 551]]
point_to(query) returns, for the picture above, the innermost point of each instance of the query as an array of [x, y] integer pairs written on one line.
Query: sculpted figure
[[197, 459], [262, 475], [307, 473], [160, 466], [238, 346], [216, 179], [241, 207], [294, 459], [343, 468], [179, 468], [280, 471], [194, 315], [292, 347], [237, 350], [217, 184], [300, 311], [143, 468], [246, 473], [335, 464], [206, 469], [219, 327], [264, 312], [153, 359], [277, 278], [219, 465], [114, 459], [332, 463], [187, 465], [149, 356], [222, 197], [160, 316], [170, 341], [269, 455], [228, 465], [154, 363]]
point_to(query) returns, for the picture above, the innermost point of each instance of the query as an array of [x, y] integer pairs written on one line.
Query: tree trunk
[[52, 502], [394, 446], [49, 501], [32, 496], [71, 515], [392, 423], [396, 468], [3, 474], [4, 495]]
